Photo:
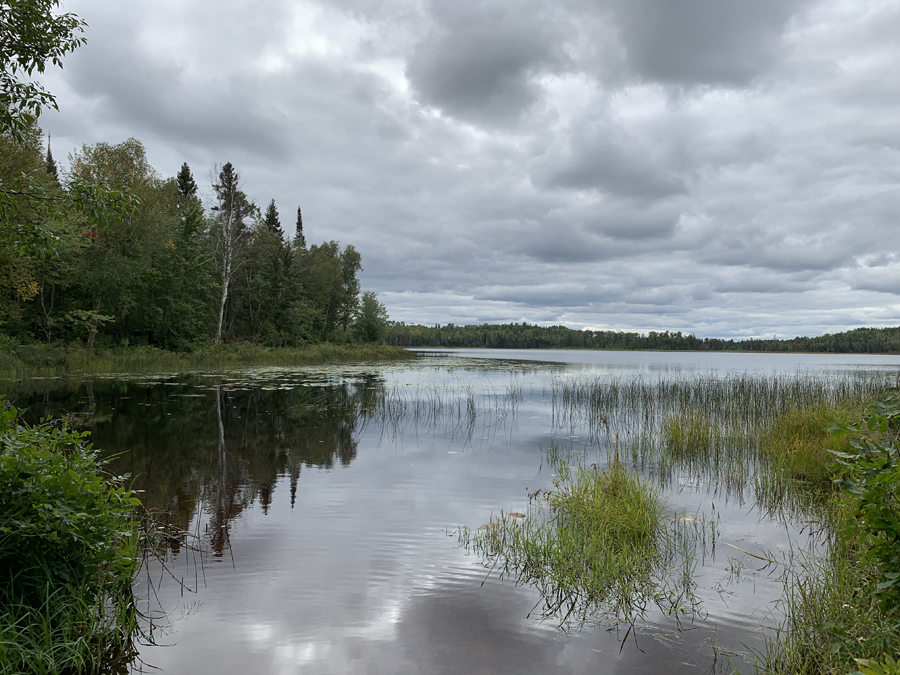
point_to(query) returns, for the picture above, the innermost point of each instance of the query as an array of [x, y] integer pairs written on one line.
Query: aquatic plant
[[597, 547]]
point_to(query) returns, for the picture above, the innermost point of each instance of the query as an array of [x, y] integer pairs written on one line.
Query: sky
[[719, 167]]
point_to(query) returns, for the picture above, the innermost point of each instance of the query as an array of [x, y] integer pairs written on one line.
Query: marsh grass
[[67, 628], [760, 436], [833, 608], [598, 547], [797, 441], [42, 360]]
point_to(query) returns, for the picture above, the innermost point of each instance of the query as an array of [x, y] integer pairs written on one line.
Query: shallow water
[[326, 503]]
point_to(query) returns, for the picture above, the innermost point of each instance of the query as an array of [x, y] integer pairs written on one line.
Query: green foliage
[[185, 181], [798, 440], [834, 611], [372, 320], [118, 255], [67, 550], [595, 545], [870, 478], [31, 35], [887, 666]]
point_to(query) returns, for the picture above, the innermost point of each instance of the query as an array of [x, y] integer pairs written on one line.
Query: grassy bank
[[42, 360], [844, 607]]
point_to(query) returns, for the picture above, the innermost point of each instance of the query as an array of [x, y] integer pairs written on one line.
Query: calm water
[[326, 502]]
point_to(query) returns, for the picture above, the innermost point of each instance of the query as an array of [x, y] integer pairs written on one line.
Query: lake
[[325, 505]]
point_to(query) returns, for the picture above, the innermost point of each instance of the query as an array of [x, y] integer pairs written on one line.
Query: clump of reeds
[[597, 545], [797, 441]]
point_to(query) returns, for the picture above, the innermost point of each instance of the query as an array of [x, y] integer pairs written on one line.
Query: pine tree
[[299, 239], [186, 185], [51, 164], [272, 221]]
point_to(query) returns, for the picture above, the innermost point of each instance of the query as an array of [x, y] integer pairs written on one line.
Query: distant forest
[[526, 336], [108, 251]]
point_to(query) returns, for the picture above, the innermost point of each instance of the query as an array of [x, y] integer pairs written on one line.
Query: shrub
[[67, 551], [870, 478]]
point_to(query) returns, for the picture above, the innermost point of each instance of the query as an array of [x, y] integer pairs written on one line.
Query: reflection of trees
[[216, 450]]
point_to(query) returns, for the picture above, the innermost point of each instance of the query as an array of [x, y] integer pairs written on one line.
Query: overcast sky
[[723, 167]]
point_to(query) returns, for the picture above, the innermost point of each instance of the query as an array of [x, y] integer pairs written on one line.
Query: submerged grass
[[42, 360], [597, 547]]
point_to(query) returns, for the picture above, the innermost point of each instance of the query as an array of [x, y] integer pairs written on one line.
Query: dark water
[[325, 503]]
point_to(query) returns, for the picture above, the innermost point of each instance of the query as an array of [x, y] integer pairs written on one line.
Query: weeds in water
[[748, 435], [598, 547]]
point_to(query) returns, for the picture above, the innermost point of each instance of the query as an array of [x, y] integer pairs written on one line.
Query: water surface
[[326, 503]]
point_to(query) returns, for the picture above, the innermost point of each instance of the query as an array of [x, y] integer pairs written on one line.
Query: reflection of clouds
[[360, 575]]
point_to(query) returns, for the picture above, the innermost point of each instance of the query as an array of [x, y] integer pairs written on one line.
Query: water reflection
[[195, 446], [328, 499]]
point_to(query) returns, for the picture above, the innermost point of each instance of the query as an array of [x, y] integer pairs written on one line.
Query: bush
[[870, 478], [68, 544]]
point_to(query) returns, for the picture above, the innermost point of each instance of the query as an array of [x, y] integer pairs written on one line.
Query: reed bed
[[455, 413], [758, 436]]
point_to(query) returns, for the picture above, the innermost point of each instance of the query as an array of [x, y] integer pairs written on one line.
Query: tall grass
[[597, 547], [833, 609], [750, 435]]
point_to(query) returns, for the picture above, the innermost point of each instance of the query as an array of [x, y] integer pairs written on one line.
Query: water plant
[[597, 547]]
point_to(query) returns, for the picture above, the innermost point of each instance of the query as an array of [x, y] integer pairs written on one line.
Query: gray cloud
[[702, 42], [479, 61], [721, 168]]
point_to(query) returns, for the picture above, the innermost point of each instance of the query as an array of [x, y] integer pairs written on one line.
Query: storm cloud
[[710, 166]]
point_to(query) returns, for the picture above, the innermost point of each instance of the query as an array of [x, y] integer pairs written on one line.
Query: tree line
[[110, 252], [529, 336]]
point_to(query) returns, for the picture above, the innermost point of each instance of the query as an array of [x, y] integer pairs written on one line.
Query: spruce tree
[[186, 185], [51, 164], [299, 239], [272, 221]]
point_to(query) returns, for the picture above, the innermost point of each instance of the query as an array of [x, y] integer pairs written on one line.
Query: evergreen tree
[[299, 239], [272, 221], [51, 164], [186, 185]]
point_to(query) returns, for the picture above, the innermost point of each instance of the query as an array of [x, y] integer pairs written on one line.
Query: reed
[[598, 547]]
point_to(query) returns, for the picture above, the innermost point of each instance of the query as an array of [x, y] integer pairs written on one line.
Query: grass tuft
[[596, 546]]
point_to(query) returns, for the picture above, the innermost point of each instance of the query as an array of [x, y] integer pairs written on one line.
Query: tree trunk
[[93, 333]]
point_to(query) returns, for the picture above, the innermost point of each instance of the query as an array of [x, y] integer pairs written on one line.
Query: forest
[[529, 336], [109, 252]]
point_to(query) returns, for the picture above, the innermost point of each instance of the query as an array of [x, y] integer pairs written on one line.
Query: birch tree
[[229, 228]]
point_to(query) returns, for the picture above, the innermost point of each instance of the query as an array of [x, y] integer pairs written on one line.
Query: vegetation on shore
[[69, 546], [43, 360], [527, 336], [843, 608]]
